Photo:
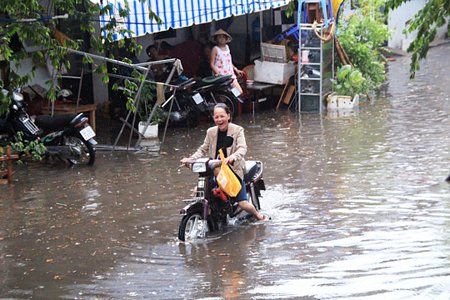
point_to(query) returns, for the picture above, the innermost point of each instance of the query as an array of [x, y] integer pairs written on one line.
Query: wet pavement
[[359, 207]]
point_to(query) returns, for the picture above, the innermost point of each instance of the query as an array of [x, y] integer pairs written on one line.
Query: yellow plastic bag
[[227, 180]]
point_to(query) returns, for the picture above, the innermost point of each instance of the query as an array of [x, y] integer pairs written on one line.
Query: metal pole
[[121, 63], [139, 66], [168, 116], [136, 101], [169, 78]]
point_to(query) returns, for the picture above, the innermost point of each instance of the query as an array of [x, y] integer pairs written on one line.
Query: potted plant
[[145, 109], [348, 85]]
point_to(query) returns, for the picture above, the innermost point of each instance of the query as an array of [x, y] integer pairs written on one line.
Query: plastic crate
[[309, 103]]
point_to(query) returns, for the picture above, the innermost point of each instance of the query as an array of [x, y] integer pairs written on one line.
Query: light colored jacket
[[237, 150]]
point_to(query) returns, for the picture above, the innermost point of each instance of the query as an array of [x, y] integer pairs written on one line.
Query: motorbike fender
[[260, 185], [49, 138], [194, 206]]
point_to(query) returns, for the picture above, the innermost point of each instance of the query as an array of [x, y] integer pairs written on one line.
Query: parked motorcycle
[[68, 137], [196, 97], [217, 89], [211, 208]]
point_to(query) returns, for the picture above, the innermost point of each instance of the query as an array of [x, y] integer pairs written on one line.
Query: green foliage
[[4, 103], [362, 36], [147, 103], [426, 22], [41, 32], [349, 82], [34, 149]]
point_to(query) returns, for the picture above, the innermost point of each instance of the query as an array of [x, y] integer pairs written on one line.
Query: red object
[[218, 193]]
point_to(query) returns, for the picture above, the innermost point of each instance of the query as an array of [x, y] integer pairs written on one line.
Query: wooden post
[[8, 158]]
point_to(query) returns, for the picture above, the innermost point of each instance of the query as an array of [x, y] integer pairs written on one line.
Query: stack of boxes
[[274, 66]]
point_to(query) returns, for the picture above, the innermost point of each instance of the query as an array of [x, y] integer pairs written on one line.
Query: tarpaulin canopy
[[179, 13]]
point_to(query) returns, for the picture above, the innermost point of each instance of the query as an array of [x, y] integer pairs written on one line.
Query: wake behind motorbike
[[210, 209], [67, 137]]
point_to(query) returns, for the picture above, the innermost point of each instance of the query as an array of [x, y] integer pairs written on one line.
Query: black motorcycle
[[211, 208], [67, 137], [196, 97], [216, 89]]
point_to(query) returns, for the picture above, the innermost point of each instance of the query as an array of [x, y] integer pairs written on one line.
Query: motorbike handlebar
[[214, 163]]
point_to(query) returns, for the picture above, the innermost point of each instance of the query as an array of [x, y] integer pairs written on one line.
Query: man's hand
[[229, 160], [186, 161]]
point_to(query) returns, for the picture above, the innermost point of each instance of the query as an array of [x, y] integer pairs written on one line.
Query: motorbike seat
[[251, 168], [212, 80], [55, 122]]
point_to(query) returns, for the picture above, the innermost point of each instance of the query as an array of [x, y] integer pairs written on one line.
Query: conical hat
[[222, 32]]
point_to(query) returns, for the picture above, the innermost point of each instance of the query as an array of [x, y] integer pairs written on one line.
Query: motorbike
[[196, 97], [67, 137], [210, 209], [216, 89]]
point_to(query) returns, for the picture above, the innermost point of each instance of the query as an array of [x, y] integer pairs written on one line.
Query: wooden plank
[[288, 97], [9, 157], [282, 95], [73, 109]]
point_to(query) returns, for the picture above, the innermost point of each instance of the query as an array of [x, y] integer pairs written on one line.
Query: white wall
[[397, 22], [41, 73]]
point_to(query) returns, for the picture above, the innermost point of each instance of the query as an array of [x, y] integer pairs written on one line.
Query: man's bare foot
[[261, 217]]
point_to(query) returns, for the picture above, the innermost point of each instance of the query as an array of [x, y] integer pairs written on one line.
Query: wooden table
[[256, 89], [73, 109]]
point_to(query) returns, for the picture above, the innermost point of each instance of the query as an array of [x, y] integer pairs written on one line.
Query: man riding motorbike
[[234, 155]]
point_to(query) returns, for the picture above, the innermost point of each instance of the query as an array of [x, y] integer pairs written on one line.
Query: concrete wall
[[398, 20], [41, 73]]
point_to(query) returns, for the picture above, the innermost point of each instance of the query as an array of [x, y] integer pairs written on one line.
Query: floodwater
[[359, 204]]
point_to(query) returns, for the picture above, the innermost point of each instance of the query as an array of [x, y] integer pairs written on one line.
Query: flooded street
[[359, 204]]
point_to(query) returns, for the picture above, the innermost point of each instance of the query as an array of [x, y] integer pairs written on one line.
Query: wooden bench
[[73, 109]]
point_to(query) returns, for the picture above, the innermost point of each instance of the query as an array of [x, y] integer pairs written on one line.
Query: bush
[[349, 82], [363, 36]]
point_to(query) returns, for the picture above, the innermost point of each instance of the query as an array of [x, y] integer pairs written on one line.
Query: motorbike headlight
[[199, 167], [17, 96]]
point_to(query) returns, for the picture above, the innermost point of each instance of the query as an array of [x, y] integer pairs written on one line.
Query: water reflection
[[358, 202]]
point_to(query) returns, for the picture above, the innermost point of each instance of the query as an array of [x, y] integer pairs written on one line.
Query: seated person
[[159, 70], [204, 69]]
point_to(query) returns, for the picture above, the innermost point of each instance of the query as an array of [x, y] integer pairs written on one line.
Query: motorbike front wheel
[[192, 227], [80, 151]]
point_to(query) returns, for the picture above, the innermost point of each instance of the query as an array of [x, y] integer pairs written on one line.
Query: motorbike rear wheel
[[191, 226], [254, 199], [81, 151]]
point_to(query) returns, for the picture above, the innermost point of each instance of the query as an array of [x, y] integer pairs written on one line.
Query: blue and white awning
[[180, 13]]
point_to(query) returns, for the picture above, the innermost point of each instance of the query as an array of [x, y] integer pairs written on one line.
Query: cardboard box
[[274, 53], [273, 72]]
